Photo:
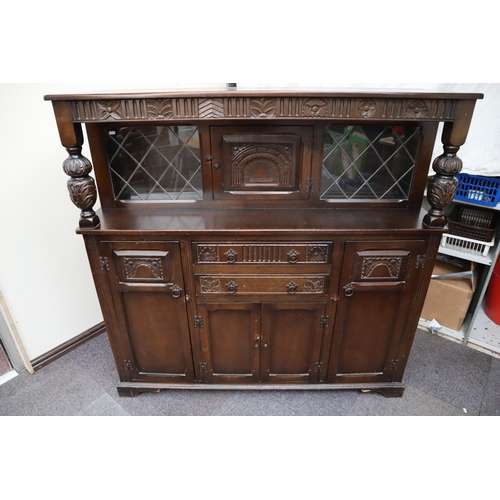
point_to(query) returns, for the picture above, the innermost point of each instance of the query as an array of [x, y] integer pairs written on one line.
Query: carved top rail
[[238, 104]]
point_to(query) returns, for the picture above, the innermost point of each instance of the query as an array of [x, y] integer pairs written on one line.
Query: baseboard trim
[[63, 349]]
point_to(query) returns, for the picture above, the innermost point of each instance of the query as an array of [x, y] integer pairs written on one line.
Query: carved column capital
[[81, 187]]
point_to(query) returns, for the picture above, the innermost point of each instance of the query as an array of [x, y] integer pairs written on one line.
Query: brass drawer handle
[[293, 256], [292, 287], [232, 287], [176, 291]]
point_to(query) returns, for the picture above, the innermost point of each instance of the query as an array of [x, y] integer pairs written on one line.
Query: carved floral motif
[[314, 284], [367, 108], [317, 253], [315, 108], [109, 109], [208, 254], [263, 108], [416, 109], [159, 109], [209, 284]]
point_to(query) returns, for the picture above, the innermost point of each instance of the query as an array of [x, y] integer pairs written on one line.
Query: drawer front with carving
[[244, 285], [260, 253]]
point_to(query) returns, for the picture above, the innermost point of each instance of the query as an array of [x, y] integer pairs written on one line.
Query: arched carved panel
[[381, 265], [267, 162], [143, 266], [257, 165]]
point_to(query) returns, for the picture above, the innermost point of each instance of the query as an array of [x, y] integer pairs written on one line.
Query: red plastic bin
[[492, 304]]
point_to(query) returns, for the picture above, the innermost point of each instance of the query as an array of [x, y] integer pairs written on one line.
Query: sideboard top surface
[[218, 93], [262, 221]]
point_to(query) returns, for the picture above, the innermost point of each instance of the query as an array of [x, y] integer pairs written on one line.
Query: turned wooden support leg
[[442, 186], [81, 187]]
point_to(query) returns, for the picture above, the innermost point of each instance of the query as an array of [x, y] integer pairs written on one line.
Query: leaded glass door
[[154, 163], [369, 162]]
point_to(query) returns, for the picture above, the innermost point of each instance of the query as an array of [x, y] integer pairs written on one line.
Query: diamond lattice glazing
[[155, 162], [369, 162]]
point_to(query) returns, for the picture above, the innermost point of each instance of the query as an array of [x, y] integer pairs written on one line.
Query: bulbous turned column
[[81, 187], [442, 187]]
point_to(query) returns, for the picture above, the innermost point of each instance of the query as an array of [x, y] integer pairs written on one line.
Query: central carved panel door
[[265, 163]]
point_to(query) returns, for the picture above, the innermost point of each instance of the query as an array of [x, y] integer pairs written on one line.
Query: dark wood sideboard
[[262, 239]]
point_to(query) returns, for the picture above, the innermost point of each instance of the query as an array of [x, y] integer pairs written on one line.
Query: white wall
[[44, 273]]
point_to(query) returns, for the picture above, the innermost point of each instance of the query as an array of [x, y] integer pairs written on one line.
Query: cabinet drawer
[[244, 285], [262, 253]]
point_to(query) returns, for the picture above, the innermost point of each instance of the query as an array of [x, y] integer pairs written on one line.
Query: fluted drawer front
[[243, 285], [260, 253]]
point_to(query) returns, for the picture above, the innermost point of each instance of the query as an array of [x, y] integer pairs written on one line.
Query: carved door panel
[[262, 163], [147, 287], [377, 287], [230, 339], [291, 341]]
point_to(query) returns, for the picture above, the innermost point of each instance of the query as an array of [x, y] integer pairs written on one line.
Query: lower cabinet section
[[169, 331], [263, 342]]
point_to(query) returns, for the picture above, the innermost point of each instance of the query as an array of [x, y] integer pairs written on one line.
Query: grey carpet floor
[[443, 378]]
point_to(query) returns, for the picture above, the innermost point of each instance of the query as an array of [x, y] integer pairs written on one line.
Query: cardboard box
[[448, 298]]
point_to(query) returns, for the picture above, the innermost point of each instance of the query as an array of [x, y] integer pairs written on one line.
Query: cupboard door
[[291, 341], [377, 287], [147, 288], [261, 163], [230, 339]]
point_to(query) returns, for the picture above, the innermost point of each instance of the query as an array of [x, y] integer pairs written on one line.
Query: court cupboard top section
[[263, 149]]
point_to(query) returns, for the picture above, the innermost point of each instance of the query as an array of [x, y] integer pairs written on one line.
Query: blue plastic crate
[[478, 189]]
